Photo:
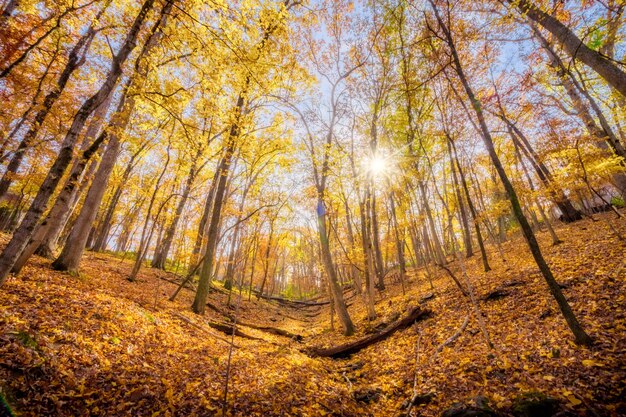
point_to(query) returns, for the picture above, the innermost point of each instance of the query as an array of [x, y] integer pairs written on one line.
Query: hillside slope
[[100, 345]]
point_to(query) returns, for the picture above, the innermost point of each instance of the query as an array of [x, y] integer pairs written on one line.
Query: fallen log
[[452, 338], [199, 327], [312, 302], [272, 330], [341, 351], [228, 330], [293, 303]]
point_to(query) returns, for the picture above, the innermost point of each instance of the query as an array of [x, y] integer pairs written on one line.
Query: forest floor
[[102, 346]]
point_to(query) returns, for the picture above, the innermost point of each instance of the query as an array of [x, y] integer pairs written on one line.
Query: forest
[[313, 208]]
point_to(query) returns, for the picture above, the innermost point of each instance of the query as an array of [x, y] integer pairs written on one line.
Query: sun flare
[[377, 165]]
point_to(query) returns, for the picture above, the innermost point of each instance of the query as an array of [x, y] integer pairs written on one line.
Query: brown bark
[[603, 135], [399, 242], [223, 169], [569, 212], [75, 59], [342, 351], [63, 206], [574, 46], [472, 209], [148, 230], [8, 11], [580, 336], [24, 232], [467, 234], [72, 252], [106, 223], [163, 249]]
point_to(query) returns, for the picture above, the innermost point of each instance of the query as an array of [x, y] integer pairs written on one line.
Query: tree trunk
[[266, 259], [399, 242], [473, 212], [223, 171], [604, 137], [24, 232], [69, 258], [354, 271], [62, 208], [368, 268], [569, 212], [335, 289], [467, 234], [434, 238], [163, 250], [574, 46], [75, 60], [544, 218], [342, 351], [147, 231], [106, 222], [72, 252], [63, 200], [206, 215], [580, 336]]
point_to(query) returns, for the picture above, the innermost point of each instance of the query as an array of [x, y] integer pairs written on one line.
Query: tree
[[573, 45], [580, 336], [237, 121], [24, 232]]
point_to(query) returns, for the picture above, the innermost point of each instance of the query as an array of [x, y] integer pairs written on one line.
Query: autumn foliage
[[312, 207]]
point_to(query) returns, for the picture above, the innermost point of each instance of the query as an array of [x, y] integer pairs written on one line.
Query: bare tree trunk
[[255, 240], [206, 215], [605, 138], [544, 218], [569, 212], [581, 337], [223, 170], [467, 234], [434, 238], [42, 228], [399, 242], [62, 208], [106, 222], [163, 250], [24, 232], [266, 259], [72, 252], [378, 256], [127, 226], [335, 289], [354, 271], [472, 209], [574, 46], [146, 232], [368, 269]]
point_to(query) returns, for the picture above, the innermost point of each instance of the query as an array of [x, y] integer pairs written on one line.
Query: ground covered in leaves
[[99, 345]]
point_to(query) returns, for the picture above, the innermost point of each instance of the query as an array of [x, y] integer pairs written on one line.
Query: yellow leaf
[[591, 362], [573, 400]]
